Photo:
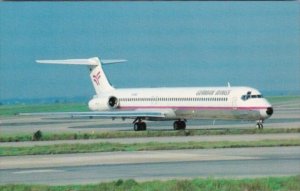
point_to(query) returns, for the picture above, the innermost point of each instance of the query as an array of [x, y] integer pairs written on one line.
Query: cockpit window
[[256, 96], [249, 96], [244, 97]]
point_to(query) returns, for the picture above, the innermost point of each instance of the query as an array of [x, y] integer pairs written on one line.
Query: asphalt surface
[[282, 118], [150, 165]]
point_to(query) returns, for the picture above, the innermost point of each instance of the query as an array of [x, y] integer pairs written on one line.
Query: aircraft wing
[[104, 114]]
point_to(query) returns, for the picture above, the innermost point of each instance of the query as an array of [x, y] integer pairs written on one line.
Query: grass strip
[[10, 110], [150, 146], [281, 99], [204, 184], [128, 134]]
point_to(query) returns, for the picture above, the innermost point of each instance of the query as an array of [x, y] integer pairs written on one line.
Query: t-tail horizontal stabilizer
[[90, 61], [97, 74]]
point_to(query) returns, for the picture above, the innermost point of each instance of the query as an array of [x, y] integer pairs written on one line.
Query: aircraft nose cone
[[269, 111]]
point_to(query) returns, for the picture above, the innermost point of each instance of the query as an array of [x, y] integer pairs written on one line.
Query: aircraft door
[[154, 100], [234, 103]]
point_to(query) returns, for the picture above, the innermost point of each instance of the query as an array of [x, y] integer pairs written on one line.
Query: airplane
[[167, 104]]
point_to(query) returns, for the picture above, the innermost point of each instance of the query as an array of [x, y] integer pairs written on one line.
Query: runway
[[150, 165]]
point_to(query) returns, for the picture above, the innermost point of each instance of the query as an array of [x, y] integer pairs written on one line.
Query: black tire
[[259, 125], [175, 125], [143, 126], [179, 125], [182, 125], [140, 126]]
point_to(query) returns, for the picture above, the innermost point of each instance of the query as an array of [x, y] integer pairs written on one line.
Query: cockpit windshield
[[249, 96], [256, 96]]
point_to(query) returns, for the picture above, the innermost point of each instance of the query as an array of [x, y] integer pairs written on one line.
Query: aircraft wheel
[[179, 125], [143, 126], [259, 125], [182, 125], [136, 127], [175, 125], [140, 126]]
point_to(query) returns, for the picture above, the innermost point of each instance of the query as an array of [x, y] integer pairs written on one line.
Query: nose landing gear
[[259, 124]]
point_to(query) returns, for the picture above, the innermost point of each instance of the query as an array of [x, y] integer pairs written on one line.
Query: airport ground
[[83, 168], [150, 165]]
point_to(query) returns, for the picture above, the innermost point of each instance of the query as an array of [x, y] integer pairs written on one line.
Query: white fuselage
[[243, 103], [179, 104]]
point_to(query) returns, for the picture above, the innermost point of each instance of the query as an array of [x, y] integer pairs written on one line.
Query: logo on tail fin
[[96, 78]]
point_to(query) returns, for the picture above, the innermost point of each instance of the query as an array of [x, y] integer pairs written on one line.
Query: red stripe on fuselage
[[192, 108]]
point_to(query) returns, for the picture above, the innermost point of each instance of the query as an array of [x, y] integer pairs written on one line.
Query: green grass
[[291, 183], [126, 134], [110, 147], [9, 110], [281, 99]]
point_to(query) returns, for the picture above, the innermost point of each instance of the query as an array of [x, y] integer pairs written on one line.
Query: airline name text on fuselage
[[213, 92]]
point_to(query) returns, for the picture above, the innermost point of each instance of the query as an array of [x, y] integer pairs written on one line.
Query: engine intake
[[113, 102]]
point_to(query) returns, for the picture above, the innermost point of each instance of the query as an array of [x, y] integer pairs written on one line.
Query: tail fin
[[97, 74]]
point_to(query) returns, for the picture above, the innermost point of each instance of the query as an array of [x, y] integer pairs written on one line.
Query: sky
[[173, 44]]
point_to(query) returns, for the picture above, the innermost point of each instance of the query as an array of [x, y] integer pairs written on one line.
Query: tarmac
[[150, 165]]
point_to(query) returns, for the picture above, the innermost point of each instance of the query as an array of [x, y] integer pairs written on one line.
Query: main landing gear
[[139, 125], [259, 124], [179, 125]]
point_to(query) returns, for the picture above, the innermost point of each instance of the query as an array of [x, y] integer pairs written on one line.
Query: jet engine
[[104, 103], [113, 102]]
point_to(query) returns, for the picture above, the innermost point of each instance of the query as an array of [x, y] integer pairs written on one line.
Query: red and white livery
[[177, 104]]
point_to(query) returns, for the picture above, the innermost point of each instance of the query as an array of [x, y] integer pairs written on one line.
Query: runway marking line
[[37, 171]]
